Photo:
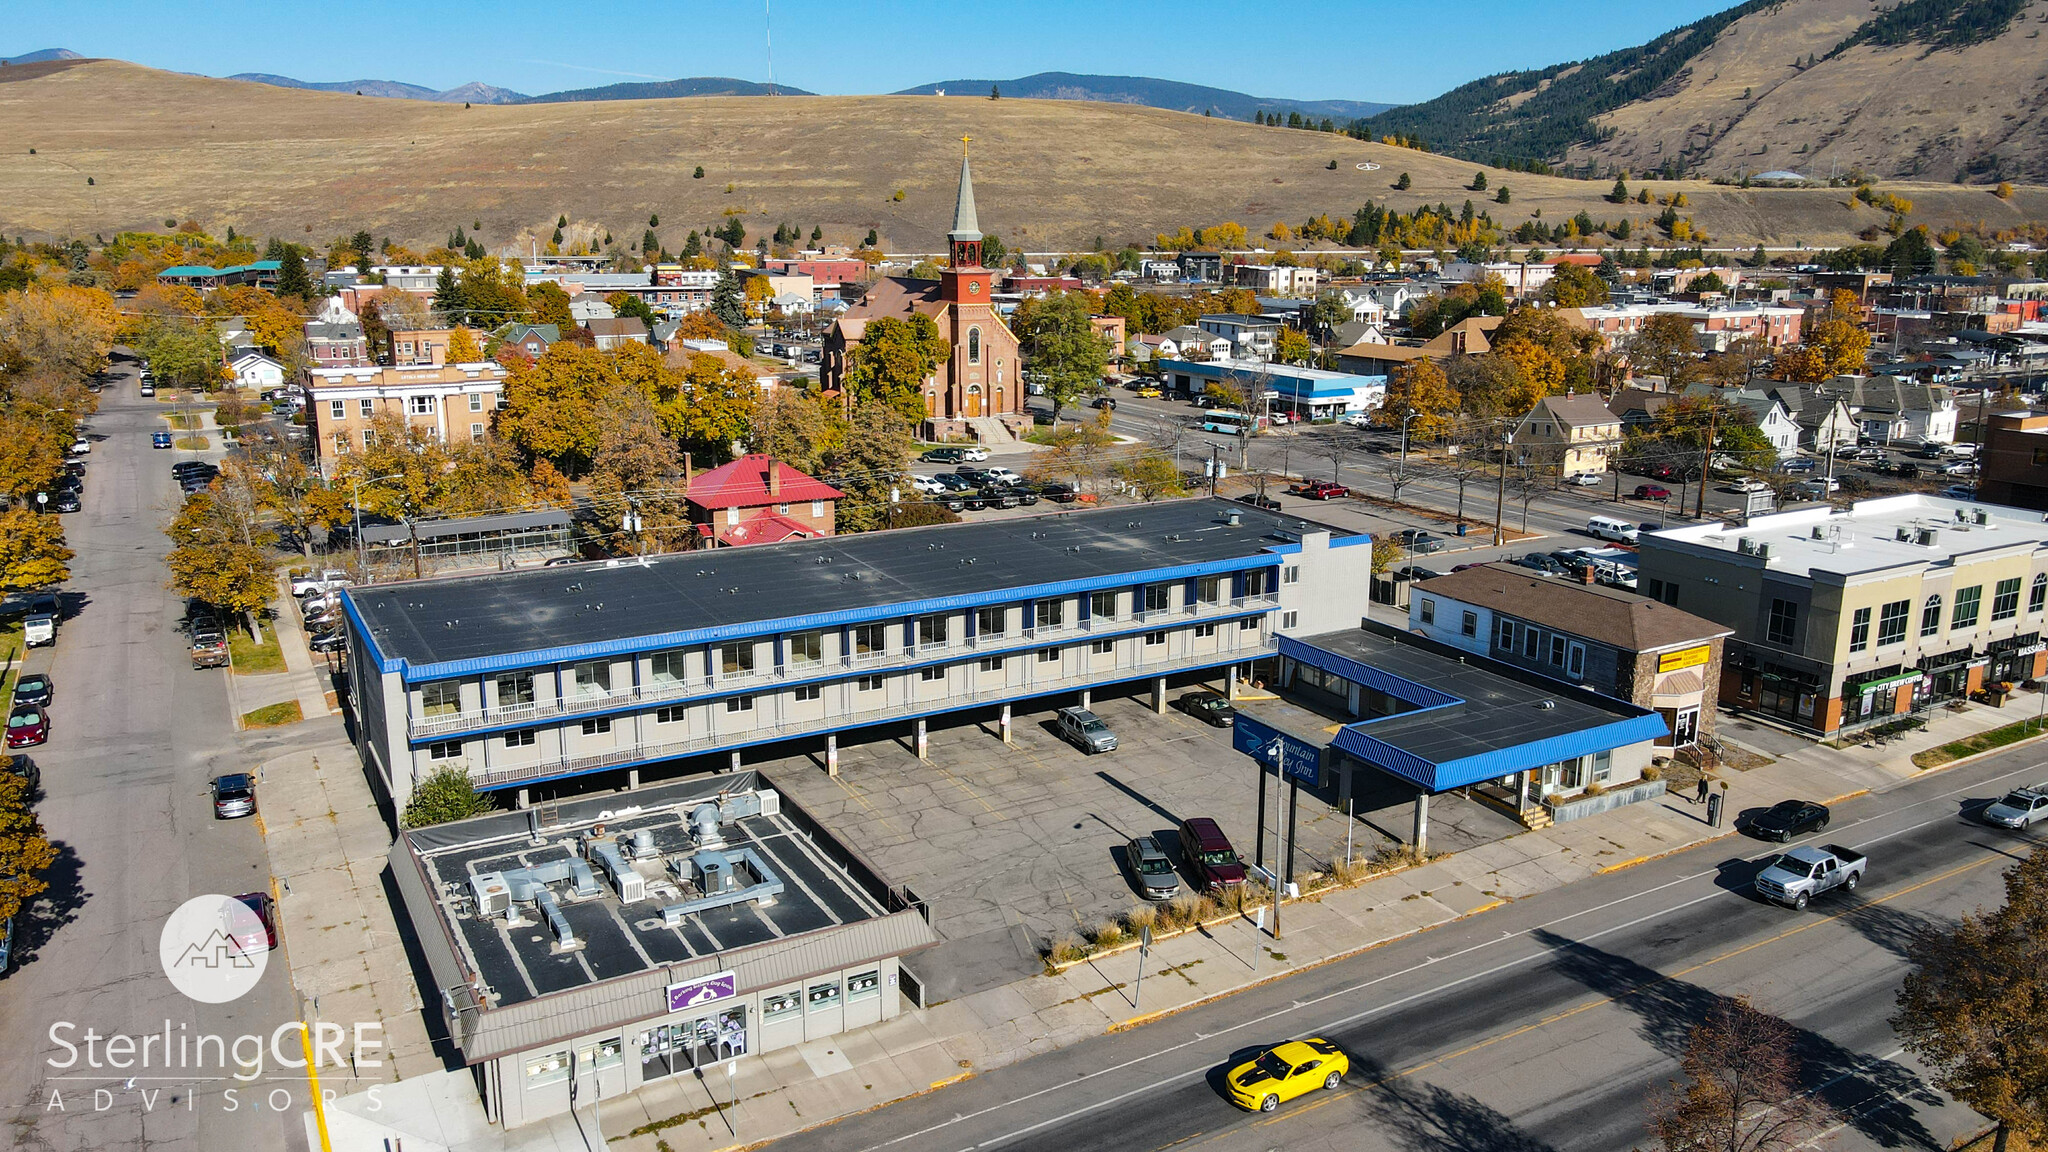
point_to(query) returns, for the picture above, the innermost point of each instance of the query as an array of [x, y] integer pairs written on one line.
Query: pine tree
[[649, 241], [817, 234], [995, 93], [1478, 182], [698, 174], [654, 221], [871, 239], [1403, 183], [562, 221], [291, 276], [1620, 193], [728, 303], [692, 246]]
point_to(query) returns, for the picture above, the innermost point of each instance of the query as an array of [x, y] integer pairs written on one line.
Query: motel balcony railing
[[1127, 667], [655, 692]]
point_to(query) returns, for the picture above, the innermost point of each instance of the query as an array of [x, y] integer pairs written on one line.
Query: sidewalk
[[304, 679], [795, 1088]]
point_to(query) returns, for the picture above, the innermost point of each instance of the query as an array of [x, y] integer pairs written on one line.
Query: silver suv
[[1086, 730]]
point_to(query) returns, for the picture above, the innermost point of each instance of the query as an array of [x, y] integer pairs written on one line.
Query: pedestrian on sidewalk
[[1699, 795]]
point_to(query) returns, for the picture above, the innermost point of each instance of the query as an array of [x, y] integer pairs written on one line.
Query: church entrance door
[[973, 400]]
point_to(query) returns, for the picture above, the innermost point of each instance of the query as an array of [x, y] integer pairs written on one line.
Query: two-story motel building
[[528, 678]]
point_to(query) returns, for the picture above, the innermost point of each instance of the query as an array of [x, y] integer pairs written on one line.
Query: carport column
[[923, 744], [1421, 824], [735, 760], [1006, 723], [1087, 700], [1230, 684], [831, 753], [1159, 695], [632, 778], [522, 798]]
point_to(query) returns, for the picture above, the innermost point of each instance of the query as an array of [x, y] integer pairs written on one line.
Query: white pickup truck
[[311, 583], [1809, 870]]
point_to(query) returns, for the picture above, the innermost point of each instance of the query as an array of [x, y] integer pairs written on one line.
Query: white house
[[1772, 419], [255, 370]]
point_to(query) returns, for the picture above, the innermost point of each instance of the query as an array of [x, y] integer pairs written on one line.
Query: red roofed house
[[759, 500]]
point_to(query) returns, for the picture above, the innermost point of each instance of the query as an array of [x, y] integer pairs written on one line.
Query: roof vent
[[1234, 519], [1546, 705], [1981, 516]]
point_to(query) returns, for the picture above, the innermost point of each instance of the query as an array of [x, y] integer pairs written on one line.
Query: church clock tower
[[965, 281]]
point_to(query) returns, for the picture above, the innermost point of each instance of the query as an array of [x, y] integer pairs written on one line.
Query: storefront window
[[600, 1056], [864, 985], [824, 997], [552, 1068], [1967, 601], [781, 1005], [682, 1045]]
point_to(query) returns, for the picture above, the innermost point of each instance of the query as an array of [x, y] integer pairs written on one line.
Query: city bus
[[1228, 422]]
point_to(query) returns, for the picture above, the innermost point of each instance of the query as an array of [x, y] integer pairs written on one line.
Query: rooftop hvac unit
[[1745, 546], [1903, 533], [1927, 537], [771, 802], [1981, 516], [493, 895], [643, 843], [1763, 551]]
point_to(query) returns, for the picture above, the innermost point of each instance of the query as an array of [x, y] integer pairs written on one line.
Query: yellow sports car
[[1286, 1071]]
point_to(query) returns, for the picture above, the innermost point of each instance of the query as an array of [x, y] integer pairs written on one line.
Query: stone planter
[[1582, 806]]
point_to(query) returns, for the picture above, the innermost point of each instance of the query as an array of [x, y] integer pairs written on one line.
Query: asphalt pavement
[[1542, 1025], [136, 735]]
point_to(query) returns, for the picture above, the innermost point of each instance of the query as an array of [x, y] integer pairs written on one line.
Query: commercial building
[[415, 548], [453, 402], [581, 952], [1614, 642], [2013, 463], [1305, 393], [1277, 279], [1848, 616], [261, 273], [1440, 719], [1251, 337], [530, 678]]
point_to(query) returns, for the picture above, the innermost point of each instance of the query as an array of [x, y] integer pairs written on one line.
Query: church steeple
[[965, 238]]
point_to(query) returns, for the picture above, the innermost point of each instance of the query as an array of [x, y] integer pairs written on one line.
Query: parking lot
[[1014, 847]]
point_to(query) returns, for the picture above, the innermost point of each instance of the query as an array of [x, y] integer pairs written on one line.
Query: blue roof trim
[[1398, 687], [784, 739], [1267, 558], [1505, 761], [841, 673], [1352, 739], [1349, 541], [361, 635]]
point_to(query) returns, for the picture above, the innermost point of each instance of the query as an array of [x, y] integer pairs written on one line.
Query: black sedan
[[1257, 500], [34, 689], [1788, 818], [1209, 708]]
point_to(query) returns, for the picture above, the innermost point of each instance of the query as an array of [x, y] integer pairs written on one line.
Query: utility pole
[[1699, 508], [1500, 492], [1215, 466]]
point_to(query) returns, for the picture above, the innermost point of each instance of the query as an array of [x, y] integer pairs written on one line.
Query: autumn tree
[[550, 305], [65, 329], [546, 486], [463, 348], [480, 477], [31, 455], [1150, 477], [1971, 1009], [637, 473], [800, 428], [893, 360], [1741, 1092], [551, 405], [295, 496], [220, 557], [32, 551], [1664, 346], [869, 463], [1063, 352], [1292, 347], [709, 404], [1076, 454], [1421, 387], [25, 849], [1833, 348], [1575, 286]]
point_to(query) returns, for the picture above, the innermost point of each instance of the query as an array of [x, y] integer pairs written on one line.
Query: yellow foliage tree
[[463, 348], [1419, 386]]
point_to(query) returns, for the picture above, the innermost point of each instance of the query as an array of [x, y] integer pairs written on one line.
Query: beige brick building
[[453, 402]]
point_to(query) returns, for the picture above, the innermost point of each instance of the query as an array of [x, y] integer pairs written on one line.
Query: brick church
[[976, 393]]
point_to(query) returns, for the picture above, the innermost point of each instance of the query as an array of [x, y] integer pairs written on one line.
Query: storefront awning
[[1855, 686]]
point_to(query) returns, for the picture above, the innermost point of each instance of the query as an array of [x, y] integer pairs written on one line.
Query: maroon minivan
[[1209, 855]]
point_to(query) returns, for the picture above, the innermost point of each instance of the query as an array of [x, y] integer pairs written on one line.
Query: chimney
[[774, 481]]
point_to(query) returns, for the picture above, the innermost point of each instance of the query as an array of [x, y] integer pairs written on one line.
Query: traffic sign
[[1299, 759]]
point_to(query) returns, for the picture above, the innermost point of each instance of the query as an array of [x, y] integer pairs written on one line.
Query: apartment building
[[1844, 617], [336, 344], [1715, 327], [2014, 460], [452, 401], [1277, 279], [536, 676], [420, 347]]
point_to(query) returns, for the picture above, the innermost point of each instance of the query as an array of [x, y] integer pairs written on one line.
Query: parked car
[[34, 688], [209, 648], [65, 500], [39, 629], [1584, 479], [1151, 869], [311, 583], [1542, 562], [1107, 403], [926, 485], [80, 446], [1611, 528], [32, 776], [1788, 818], [1959, 468], [147, 388], [1150, 392], [335, 641], [974, 453], [1257, 501], [1419, 542], [1652, 492], [253, 926], [1208, 707], [1085, 729], [1357, 419], [1796, 464], [1051, 490], [234, 796], [159, 439], [1747, 485], [2017, 808], [1286, 1071], [1003, 474], [1908, 471], [1807, 871], [1209, 855], [1959, 492], [1320, 490], [27, 726], [944, 456]]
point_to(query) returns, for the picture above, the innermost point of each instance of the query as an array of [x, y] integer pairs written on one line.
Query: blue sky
[[1393, 50]]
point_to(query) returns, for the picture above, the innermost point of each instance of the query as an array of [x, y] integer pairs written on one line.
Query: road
[[136, 734], [1541, 1025]]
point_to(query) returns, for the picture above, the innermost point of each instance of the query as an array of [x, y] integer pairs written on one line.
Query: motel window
[[1290, 574], [1050, 613], [441, 698], [991, 621], [598, 727], [367, 407], [445, 750], [806, 648], [930, 674], [1102, 605], [2005, 600], [1891, 622], [1102, 647], [870, 639], [1287, 619], [1967, 602], [870, 684], [519, 739], [806, 692], [736, 659], [592, 678], [515, 689], [1248, 624], [671, 715], [1048, 655], [1205, 630], [931, 631], [991, 664], [1155, 639], [739, 703], [1209, 589], [1930, 616], [668, 667]]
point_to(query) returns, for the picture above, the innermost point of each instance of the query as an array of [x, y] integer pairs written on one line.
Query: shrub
[[1596, 789], [1107, 934], [446, 795], [1141, 917], [1067, 950], [1652, 772]]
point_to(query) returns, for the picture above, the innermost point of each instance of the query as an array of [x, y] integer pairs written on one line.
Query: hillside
[[1048, 174], [1925, 89], [472, 92], [667, 89], [1169, 94]]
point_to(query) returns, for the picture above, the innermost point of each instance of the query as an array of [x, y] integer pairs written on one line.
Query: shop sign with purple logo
[[703, 990]]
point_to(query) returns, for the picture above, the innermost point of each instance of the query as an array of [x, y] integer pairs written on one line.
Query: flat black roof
[[1502, 706], [519, 963], [587, 606]]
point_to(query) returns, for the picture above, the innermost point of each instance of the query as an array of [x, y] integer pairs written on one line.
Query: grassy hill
[[1927, 89], [1049, 174]]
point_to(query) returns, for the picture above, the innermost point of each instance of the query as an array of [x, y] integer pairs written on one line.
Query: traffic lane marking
[[1298, 1005]]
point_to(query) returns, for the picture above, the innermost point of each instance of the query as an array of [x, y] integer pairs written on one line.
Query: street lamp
[[356, 505], [1412, 414]]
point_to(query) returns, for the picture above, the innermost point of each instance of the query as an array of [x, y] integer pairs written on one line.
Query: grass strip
[[1982, 742]]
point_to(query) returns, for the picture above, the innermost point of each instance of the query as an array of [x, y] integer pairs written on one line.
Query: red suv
[[1210, 858], [1652, 492]]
